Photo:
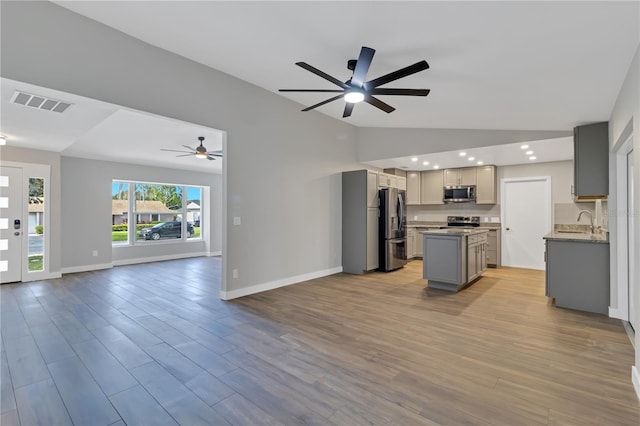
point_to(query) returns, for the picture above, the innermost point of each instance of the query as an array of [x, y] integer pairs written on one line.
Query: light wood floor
[[152, 344]]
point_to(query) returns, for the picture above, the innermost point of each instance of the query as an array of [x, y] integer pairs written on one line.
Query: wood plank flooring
[[152, 344]]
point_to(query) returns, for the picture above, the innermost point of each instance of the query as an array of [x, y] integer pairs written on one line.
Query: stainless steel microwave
[[459, 194]]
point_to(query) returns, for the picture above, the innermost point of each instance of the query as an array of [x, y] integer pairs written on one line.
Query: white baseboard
[[86, 268], [39, 276], [159, 258], [258, 288], [617, 313], [215, 253], [635, 379]]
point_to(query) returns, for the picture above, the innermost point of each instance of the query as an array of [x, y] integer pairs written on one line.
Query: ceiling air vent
[[39, 102]]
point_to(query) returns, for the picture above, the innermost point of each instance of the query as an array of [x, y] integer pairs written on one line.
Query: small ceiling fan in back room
[[357, 89], [199, 152]]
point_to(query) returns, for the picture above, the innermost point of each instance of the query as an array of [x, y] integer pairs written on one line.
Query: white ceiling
[[499, 155], [494, 65], [102, 131]]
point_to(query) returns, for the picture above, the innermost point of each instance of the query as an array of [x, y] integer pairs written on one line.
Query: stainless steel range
[[464, 221]]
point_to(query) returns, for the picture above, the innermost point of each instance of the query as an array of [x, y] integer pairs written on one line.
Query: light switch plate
[[236, 220]]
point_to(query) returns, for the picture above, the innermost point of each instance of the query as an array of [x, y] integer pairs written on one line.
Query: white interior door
[[10, 237], [526, 218], [631, 262]]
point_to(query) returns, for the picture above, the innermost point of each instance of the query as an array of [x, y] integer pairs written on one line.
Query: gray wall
[[282, 165], [626, 115], [86, 212]]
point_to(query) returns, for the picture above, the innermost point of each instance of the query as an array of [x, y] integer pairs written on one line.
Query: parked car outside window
[[166, 230]]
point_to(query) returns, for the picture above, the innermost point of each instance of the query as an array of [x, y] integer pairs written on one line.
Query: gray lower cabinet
[[445, 260], [577, 275], [493, 248], [411, 235]]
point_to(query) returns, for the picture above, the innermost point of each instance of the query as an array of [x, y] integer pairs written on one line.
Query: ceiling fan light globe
[[201, 155], [354, 96]]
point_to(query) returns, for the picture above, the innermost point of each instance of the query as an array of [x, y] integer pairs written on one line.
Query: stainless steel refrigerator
[[393, 229]]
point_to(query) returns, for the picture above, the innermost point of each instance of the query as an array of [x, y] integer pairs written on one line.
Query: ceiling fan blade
[[322, 103], [171, 150], [406, 71], [322, 74], [185, 155], [362, 66], [348, 109], [379, 104], [405, 92], [209, 157], [214, 155], [311, 90], [188, 147]]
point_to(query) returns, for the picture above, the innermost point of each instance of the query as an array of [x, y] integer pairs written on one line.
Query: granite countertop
[[576, 236], [455, 231], [420, 224]]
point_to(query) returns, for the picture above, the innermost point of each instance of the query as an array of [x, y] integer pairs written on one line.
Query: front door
[[11, 225]]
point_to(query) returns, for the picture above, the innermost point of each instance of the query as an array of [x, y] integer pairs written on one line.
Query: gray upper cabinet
[[591, 161], [431, 185], [486, 185], [413, 187], [464, 176]]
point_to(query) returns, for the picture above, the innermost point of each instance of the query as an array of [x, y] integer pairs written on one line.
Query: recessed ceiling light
[[462, 154], [471, 158], [524, 147], [529, 152], [414, 158], [436, 166], [532, 157], [480, 163], [425, 163]]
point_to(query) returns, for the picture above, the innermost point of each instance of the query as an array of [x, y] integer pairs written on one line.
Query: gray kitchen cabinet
[[372, 189], [359, 221], [413, 187], [493, 249], [463, 176], [577, 274], [486, 185], [591, 161], [411, 236], [476, 256], [431, 187]]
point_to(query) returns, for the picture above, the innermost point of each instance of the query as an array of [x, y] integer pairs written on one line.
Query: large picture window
[[143, 213]]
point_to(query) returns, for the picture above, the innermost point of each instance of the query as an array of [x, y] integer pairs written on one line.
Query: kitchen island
[[453, 258]]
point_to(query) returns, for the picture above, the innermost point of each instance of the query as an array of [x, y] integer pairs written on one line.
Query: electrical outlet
[[415, 218], [95, 253], [235, 273]]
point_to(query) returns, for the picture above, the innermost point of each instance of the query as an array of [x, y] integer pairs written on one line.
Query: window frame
[[132, 214]]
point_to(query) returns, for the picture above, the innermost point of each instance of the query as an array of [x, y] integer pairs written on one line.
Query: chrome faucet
[[590, 218]]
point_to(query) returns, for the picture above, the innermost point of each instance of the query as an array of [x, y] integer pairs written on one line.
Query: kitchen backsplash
[[439, 213], [563, 213]]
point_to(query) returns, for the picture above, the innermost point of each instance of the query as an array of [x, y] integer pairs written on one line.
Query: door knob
[[16, 233], [508, 229]]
